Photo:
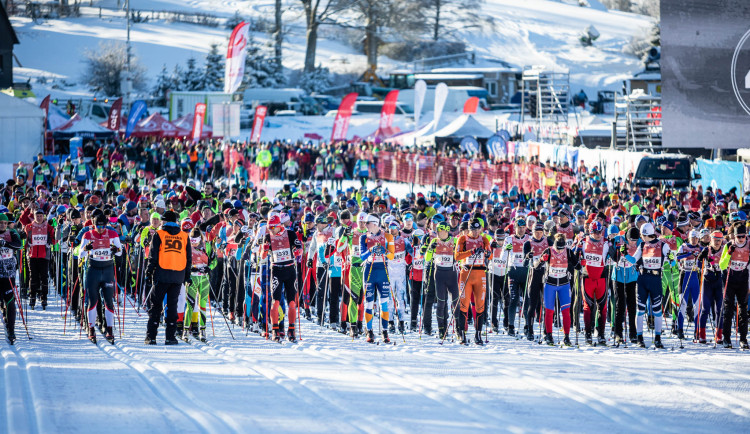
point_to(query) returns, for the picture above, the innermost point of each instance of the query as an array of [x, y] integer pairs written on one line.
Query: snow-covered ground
[[330, 383]]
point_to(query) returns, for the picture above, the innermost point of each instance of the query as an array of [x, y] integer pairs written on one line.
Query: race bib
[[282, 255], [652, 263], [38, 239], [101, 254], [558, 272], [355, 250], [498, 266], [737, 265], [338, 261], [444, 260], [518, 259], [593, 260], [400, 256], [418, 264], [6, 253], [689, 264], [64, 247]]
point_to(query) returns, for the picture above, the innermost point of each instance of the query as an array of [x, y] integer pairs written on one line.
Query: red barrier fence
[[476, 175]]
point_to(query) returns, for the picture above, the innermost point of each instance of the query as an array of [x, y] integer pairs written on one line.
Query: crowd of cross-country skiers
[[163, 228]]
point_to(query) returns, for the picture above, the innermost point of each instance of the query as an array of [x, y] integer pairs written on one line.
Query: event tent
[[185, 127], [21, 129], [82, 127], [463, 126]]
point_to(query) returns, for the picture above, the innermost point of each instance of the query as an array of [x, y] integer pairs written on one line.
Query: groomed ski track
[[330, 383]]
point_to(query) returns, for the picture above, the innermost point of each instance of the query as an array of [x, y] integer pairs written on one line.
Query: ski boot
[[353, 330], [401, 327], [44, 305], [109, 336], [386, 339], [275, 335], [461, 336], [441, 333], [511, 331], [478, 338], [12, 338], [640, 342], [202, 334], [428, 331], [495, 328], [360, 328], [619, 340], [92, 334], [602, 341], [32, 303], [370, 337], [743, 345], [185, 336], [391, 327], [548, 339], [702, 336], [194, 330], [342, 327], [680, 334], [170, 341], [149, 341], [308, 314], [413, 326], [566, 341], [718, 338], [657, 342], [727, 342], [529, 334], [290, 335], [589, 339]]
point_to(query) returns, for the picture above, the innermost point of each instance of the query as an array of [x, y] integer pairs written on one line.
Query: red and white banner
[[198, 119], [260, 117], [45, 106], [470, 106], [114, 118], [389, 108], [235, 63], [343, 114]]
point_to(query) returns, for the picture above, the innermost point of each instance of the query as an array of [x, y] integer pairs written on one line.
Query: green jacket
[[264, 158]]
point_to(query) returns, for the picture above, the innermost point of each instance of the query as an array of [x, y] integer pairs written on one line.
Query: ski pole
[[393, 296], [17, 296], [460, 296]]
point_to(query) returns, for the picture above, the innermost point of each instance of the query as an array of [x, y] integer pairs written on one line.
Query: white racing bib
[[443, 260], [517, 259], [498, 266], [400, 256], [652, 263], [38, 239], [418, 263], [282, 255], [558, 272], [6, 253], [737, 265], [338, 261]]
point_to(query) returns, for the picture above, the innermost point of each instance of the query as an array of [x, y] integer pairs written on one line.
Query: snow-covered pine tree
[[192, 77], [163, 85], [316, 81], [260, 66], [213, 74], [176, 78]]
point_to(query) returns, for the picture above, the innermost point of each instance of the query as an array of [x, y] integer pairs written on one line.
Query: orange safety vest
[[172, 250]]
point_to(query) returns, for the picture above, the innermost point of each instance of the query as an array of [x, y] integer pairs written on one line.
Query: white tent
[[21, 129], [462, 126]]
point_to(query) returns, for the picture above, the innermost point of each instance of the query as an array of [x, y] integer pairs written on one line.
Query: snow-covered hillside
[[529, 32]]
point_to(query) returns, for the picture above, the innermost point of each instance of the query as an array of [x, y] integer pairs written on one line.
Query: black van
[[670, 170]]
